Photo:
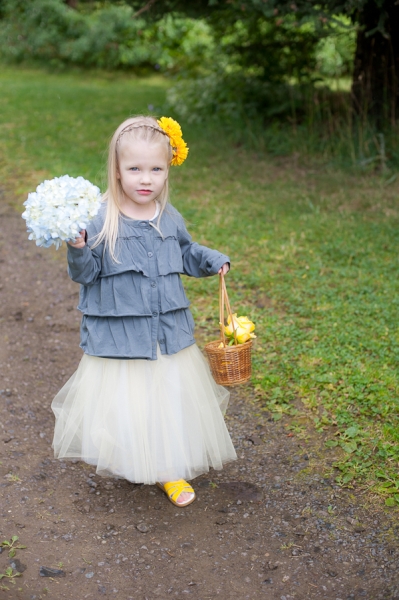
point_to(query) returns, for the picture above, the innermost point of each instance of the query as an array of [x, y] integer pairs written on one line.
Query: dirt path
[[268, 526]]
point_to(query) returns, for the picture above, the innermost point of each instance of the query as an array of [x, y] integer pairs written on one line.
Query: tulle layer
[[144, 420]]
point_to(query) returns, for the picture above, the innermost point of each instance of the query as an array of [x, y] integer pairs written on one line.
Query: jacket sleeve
[[84, 265], [198, 261]]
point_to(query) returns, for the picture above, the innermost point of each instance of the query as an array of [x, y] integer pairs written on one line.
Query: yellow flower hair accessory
[[174, 132]]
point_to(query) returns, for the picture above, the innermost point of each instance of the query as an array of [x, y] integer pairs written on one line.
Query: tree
[[376, 69]]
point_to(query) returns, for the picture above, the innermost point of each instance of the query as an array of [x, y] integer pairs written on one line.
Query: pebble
[[332, 573], [142, 527], [255, 439], [50, 572], [16, 564]]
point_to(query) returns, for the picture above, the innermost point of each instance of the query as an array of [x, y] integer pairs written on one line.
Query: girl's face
[[143, 171]]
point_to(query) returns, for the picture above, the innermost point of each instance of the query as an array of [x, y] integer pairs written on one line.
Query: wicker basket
[[230, 365]]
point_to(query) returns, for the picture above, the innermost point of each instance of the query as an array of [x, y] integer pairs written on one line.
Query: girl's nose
[[145, 177]]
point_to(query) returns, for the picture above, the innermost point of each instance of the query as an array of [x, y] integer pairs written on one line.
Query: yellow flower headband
[[172, 129], [174, 133]]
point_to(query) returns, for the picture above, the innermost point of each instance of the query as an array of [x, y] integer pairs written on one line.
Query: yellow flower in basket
[[243, 335], [245, 322], [243, 328]]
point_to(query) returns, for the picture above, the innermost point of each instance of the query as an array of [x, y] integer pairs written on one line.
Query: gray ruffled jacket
[[132, 306]]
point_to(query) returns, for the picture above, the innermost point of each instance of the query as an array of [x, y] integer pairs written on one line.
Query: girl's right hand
[[80, 241]]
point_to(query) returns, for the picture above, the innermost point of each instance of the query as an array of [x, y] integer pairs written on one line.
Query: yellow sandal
[[173, 489]]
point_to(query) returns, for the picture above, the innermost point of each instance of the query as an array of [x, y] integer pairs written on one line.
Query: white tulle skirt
[[143, 420]]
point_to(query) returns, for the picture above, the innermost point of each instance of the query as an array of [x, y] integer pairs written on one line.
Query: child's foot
[[186, 498], [180, 493]]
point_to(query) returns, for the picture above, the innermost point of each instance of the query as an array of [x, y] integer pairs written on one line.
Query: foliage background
[[234, 71]]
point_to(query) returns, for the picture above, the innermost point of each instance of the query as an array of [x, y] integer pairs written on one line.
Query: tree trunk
[[375, 85]]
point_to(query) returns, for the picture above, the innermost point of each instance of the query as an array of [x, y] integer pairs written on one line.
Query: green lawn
[[314, 256]]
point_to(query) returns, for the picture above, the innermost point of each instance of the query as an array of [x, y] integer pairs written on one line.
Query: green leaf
[[12, 553], [351, 432], [391, 490], [385, 485], [14, 538], [331, 443], [390, 502], [277, 416], [20, 547], [349, 446]]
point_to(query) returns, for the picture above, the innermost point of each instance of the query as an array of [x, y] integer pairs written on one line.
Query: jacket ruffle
[[131, 294], [105, 339], [132, 255]]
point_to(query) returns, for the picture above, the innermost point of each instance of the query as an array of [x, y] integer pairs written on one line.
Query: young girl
[[142, 404]]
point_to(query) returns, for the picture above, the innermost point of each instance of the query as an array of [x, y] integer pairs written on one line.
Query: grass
[[314, 256]]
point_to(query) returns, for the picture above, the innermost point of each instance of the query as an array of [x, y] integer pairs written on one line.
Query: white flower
[[59, 209]]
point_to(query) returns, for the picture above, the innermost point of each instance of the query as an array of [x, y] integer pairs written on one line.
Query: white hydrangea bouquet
[[59, 209]]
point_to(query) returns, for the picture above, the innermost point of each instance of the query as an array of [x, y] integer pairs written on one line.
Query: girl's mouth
[[144, 192]]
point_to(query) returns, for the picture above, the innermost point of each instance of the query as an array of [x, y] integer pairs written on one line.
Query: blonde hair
[[135, 128]]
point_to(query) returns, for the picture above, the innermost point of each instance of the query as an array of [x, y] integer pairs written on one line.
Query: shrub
[[48, 31]]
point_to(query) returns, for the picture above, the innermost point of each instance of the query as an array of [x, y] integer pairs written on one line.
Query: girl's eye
[[157, 169], [134, 168]]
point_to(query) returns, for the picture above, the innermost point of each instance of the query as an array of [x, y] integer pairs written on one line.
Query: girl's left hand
[[80, 241], [225, 269]]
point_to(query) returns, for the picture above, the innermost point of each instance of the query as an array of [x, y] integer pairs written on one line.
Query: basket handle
[[224, 300]]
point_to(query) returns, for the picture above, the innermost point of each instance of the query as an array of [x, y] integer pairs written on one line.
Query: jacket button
[[154, 314], [150, 254], [153, 284]]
